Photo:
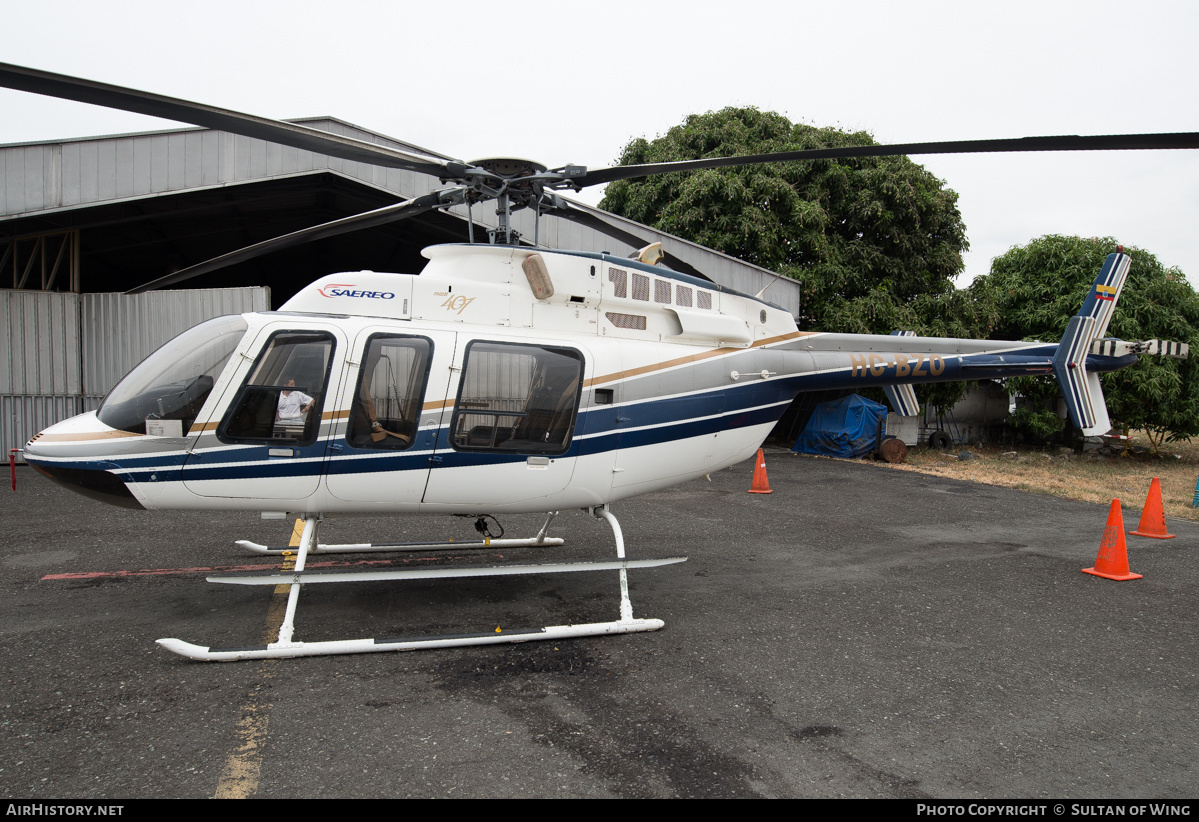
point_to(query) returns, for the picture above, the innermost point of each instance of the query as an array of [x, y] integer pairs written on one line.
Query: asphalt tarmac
[[860, 632]]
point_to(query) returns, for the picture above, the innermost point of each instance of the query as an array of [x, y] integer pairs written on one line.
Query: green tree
[[875, 242], [1039, 287]]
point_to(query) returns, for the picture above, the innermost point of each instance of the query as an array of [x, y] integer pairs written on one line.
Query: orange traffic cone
[[761, 484], [1112, 561], [1153, 519]]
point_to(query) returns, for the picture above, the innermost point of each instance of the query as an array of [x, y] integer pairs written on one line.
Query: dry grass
[[1081, 477]]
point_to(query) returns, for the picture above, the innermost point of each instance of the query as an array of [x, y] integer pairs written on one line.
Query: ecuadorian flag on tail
[[1101, 301]]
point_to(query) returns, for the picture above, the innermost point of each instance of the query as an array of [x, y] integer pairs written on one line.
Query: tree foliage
[[875, 242], [1038, 287]]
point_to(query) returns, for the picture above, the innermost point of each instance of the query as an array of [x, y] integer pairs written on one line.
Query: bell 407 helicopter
[[504, 378]]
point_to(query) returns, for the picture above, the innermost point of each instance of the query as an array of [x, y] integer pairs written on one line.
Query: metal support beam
[[39, 247]]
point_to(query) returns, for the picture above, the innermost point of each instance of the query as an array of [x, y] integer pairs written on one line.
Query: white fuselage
[[655, 401]]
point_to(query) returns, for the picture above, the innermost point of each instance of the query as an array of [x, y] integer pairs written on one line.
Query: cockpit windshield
[[172, 383]]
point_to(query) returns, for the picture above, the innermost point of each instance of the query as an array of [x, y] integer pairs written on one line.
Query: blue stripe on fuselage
[[599, 428]]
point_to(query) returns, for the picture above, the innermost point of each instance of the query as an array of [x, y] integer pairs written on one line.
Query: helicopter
[[503, 378]]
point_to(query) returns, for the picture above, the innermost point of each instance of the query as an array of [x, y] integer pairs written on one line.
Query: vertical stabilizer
[[1084, 395]]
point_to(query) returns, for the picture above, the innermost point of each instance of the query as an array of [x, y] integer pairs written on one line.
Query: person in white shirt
[[293, 405]]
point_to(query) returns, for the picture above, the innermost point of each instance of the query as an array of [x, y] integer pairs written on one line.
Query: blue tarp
[[848, 427]]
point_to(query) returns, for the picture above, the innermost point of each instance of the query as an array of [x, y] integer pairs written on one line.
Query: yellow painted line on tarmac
[[239, 778]]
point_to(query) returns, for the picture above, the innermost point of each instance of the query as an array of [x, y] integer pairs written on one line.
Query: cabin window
[[390, 392], [173, 382], [519, 398], [281, 399]]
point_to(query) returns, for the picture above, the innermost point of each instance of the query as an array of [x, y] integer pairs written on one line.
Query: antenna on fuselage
[[777, 277]]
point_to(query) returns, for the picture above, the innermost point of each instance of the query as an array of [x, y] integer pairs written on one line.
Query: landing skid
[[286, 647], [539, 541]]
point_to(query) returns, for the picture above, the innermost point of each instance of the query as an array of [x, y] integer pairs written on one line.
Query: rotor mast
[[514, 184]]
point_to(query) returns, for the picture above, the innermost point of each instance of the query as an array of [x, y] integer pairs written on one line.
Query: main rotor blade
[[185, 111], [367, 219], [1072, 142]]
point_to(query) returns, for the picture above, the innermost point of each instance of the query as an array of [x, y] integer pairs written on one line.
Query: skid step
[[511, 569]]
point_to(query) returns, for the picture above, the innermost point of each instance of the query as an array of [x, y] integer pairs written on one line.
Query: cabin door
[[506, 437], [273, 430], [393, 395]]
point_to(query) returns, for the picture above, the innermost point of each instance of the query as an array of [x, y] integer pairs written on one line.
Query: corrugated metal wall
[[22, 416], [65, 351], [41, 351], [37, 177], [120, 330]]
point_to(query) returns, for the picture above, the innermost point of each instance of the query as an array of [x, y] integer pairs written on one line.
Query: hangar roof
[[149, 203]]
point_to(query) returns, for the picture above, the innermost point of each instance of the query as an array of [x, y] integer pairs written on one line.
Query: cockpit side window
[[281, 399], [522, 398], [390, 392], [169, 387]]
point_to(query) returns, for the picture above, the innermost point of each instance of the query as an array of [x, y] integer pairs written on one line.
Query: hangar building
[[82, 220]]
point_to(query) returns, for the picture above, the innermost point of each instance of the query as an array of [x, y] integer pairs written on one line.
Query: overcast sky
[[560, 83]]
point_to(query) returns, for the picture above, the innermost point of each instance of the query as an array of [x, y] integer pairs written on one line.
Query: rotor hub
[[510, 167]]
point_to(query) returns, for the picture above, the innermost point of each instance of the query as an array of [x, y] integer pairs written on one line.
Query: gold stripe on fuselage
[[613, 377], [83, 437], [703, 355]]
